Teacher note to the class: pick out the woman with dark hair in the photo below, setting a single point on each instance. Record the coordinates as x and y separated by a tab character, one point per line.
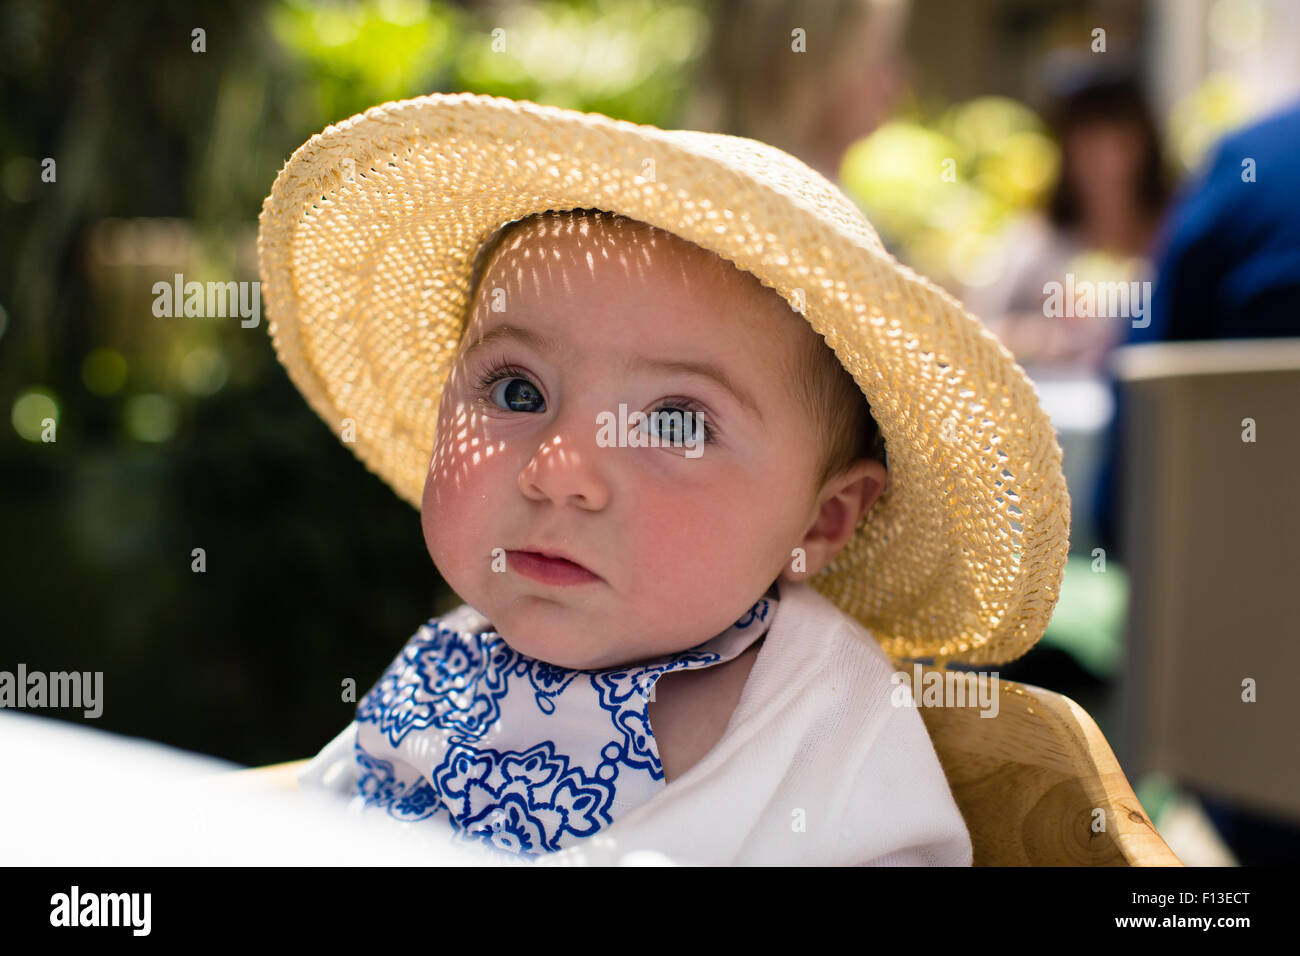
1097	229
1113	187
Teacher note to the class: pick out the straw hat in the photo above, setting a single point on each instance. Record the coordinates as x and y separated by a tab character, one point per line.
366	245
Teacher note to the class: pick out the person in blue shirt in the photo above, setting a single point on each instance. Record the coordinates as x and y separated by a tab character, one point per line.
1228	265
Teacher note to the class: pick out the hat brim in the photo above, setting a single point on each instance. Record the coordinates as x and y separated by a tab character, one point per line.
366	246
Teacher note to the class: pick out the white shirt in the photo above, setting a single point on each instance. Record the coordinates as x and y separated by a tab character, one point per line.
817	766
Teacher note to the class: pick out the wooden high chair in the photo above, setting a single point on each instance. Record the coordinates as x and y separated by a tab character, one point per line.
1039	786
1209	523
1029	783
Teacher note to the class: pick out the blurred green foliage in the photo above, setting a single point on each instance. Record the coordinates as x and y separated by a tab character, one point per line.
625	58
353	56
631	59
940	186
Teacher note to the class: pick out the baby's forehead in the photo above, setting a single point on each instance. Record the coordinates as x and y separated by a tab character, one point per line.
637	258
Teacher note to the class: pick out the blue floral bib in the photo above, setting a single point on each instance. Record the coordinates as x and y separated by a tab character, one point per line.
508	750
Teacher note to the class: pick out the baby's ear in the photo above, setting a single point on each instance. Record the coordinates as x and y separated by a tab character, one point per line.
843	501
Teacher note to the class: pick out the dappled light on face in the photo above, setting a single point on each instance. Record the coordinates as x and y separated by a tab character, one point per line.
561	474
553	447
630	251
459	444
549	453
556	470
562	254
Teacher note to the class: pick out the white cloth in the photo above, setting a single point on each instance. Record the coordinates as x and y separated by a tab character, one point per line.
817	766
155	805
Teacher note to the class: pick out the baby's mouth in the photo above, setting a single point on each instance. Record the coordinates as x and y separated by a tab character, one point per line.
549	568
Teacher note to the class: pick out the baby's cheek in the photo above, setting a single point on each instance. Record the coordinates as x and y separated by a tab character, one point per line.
457	522
694	567
688	544
436	518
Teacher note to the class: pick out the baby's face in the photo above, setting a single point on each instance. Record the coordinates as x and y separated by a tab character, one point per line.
678	542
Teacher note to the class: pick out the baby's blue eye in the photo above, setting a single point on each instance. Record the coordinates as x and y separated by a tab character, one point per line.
518	395
673	424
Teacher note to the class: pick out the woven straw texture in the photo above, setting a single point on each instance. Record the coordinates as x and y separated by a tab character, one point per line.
366	245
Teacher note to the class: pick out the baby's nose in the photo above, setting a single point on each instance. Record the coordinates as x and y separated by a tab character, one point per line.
567	469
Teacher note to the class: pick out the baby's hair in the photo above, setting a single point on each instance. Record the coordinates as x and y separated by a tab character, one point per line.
830	395
841	411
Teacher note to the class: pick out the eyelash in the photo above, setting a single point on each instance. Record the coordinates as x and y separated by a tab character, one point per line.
500	371
496	372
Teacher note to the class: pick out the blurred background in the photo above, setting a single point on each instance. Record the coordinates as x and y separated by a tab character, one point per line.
998	146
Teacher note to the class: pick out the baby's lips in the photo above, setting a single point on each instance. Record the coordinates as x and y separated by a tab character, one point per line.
556	554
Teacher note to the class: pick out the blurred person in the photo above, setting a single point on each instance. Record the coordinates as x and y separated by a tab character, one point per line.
1228	263
1108	200
1228	268
813	103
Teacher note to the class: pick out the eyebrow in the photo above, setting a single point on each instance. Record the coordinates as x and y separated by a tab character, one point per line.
535	340
547	345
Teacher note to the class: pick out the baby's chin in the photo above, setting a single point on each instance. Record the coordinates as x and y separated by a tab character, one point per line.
565	641
569	651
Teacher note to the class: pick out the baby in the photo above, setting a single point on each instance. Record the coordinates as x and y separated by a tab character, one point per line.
624	374
638	664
